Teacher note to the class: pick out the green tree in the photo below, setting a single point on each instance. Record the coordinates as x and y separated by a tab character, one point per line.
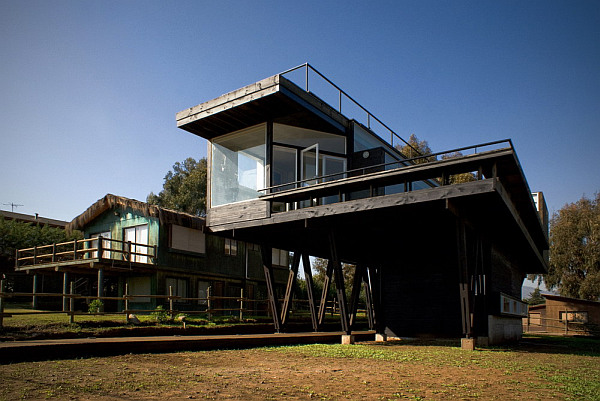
184	188
575	250
458	178
415	148
319	267
536	298
18	235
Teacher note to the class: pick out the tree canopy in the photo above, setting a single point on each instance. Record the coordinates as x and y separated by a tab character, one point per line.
18	235
575	250
415	148
184	188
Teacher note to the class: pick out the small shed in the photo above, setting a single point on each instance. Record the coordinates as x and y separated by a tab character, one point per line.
563	315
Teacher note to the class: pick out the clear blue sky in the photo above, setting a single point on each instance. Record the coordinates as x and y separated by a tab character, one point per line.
89	89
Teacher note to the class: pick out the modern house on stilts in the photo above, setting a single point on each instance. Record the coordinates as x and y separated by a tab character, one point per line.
288	170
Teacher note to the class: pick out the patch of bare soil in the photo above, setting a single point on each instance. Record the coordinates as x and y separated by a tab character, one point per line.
262	374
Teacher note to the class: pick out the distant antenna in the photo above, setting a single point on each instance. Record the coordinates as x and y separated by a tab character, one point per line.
12	206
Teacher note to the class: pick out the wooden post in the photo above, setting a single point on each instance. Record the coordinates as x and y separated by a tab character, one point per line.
74	249
35	255
99	247
72	304
2	303
354	297
54	252
65	289
324	293
208	303
126	296
241	304
101	287
34	300
171	301
16	258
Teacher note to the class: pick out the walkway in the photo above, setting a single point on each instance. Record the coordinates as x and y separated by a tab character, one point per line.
85	347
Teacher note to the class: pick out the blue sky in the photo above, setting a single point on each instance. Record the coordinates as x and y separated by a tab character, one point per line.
89	90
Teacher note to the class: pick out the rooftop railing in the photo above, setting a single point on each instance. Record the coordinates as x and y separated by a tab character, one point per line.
345	103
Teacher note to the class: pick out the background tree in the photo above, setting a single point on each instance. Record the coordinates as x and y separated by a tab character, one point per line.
415	148
18	235
462	177
536	298
319	268
184	188
575	250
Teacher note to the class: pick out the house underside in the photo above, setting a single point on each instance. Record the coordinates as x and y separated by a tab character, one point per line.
437	258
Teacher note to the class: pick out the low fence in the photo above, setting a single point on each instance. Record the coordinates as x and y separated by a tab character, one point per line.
535	324
243	306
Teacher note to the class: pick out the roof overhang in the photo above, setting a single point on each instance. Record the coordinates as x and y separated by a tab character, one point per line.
272	99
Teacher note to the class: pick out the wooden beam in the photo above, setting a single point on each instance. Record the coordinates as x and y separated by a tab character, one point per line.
463	277
369	299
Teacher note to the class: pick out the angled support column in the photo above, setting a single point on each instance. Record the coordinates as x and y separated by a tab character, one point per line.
325	291
369	299
463	278
354	297
289	290
375	285
339	285
270	280
310	288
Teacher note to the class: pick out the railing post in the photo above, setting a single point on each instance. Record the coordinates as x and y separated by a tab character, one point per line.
171	301
99	252
16	258
129	251
307	78
35	255
34	303
65	289
208	303
241	304
72	304
2	303
126	296
54	252
74	249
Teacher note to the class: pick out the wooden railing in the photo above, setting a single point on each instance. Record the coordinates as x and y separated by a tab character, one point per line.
537	324
243	306
91	248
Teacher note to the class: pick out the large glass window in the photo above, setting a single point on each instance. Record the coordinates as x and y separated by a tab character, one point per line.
238	166
284	167
303	138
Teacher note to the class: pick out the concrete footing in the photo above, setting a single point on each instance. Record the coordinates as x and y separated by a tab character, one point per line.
348	339
380	337
468	344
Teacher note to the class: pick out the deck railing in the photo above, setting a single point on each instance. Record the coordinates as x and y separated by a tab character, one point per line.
91	248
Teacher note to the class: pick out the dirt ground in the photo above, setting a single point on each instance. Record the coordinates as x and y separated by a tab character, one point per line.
367	371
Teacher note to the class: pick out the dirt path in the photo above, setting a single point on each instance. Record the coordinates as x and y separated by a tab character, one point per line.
335	372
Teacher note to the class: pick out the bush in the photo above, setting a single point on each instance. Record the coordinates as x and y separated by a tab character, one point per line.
160	314
95	306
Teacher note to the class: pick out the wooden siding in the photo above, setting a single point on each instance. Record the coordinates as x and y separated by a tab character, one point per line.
237	212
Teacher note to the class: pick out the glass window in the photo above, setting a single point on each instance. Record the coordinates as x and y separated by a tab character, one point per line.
238	166
105	244
138	236
302	137
179	287
230	247
284	167
187	239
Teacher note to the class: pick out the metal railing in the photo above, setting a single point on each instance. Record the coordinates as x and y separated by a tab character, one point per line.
82	249
343	95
